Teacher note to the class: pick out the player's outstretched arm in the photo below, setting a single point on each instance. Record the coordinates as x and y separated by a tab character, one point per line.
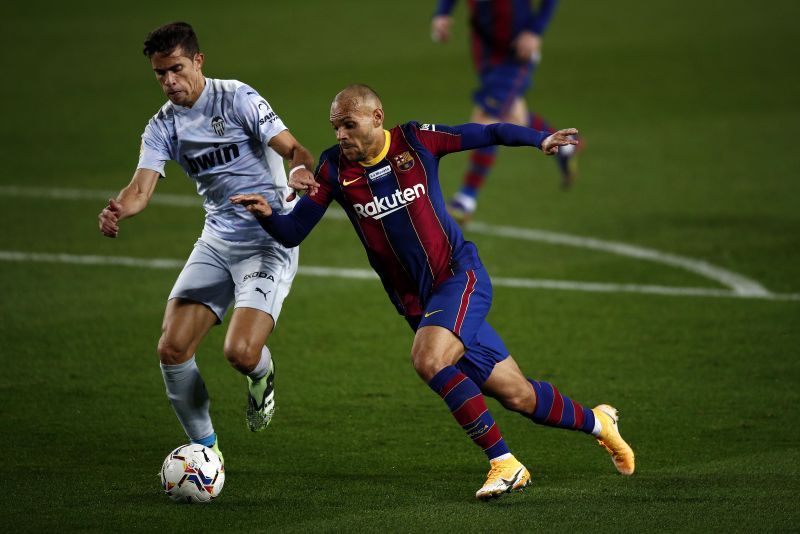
560	138
289	229
471	136
301	178
130	201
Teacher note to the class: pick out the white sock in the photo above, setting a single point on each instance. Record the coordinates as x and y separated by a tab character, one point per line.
262	367
187	393
598	427
502	457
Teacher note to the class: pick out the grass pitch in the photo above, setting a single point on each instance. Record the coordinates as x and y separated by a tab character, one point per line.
686	110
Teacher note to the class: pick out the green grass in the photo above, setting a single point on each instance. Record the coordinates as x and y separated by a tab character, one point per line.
688	112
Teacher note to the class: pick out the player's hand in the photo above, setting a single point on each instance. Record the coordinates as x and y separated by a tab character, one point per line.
440	28
529	47
255	204
301	180
560	138
108	220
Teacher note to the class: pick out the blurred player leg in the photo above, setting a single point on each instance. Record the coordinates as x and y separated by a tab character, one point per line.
464	203
499	99
567	156
185	325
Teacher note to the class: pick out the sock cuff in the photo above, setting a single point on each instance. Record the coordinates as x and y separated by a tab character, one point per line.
440	380
262	367
177	372
207	441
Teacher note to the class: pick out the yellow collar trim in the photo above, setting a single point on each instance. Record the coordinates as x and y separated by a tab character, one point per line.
374	161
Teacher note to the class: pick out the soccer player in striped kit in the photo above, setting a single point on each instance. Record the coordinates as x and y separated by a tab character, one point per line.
387	182
506	39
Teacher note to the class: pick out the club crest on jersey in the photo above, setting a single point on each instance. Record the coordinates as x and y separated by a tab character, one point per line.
403	161
218	123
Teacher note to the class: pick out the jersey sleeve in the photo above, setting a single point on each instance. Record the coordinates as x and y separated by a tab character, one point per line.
539	19
325	178
291	228
255	114
444	7
440	139
156	149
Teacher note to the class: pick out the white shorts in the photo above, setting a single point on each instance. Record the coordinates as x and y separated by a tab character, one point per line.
246	273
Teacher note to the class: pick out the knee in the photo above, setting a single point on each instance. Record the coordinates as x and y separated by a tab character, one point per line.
426	364
243	356
171	352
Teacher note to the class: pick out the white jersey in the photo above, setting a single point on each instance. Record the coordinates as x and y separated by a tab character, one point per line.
221	143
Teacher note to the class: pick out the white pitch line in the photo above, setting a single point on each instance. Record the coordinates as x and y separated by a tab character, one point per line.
738	283
366	274
163	199
741	285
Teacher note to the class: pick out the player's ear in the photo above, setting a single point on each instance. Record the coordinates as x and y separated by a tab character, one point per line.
199	58
377	117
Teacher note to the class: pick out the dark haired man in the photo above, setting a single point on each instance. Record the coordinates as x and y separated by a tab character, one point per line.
229	140
387	183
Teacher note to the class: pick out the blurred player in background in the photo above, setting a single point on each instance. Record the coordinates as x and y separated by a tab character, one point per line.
229	140
387	182
506	40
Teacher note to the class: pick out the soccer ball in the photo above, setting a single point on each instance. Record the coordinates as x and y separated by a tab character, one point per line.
192	473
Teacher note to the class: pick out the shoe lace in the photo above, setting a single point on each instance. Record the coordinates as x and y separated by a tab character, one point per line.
495	472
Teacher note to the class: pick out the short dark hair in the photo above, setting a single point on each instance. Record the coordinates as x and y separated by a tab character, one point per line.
165	39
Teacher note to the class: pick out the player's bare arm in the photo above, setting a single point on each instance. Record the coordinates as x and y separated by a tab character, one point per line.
560	138
254	203
130	201
301	177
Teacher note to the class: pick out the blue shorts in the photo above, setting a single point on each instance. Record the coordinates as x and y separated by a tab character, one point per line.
500	85
460	304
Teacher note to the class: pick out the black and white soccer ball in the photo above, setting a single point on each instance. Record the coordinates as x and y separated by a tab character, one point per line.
192	474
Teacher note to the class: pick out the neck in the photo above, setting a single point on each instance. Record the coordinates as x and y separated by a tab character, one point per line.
198	91
376	147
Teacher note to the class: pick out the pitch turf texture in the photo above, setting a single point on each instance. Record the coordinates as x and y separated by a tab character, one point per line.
688	110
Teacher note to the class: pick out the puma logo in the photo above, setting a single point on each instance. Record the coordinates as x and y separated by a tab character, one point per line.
262	292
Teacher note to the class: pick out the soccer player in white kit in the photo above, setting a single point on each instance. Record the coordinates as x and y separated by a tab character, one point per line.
229	140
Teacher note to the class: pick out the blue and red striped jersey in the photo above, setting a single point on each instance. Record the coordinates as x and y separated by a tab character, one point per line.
495	24
397	208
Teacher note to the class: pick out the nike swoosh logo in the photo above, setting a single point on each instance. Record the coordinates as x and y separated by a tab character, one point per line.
346	182
510	483
431	313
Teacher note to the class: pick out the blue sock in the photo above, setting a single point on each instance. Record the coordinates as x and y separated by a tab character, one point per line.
207	441
555	409
468	406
